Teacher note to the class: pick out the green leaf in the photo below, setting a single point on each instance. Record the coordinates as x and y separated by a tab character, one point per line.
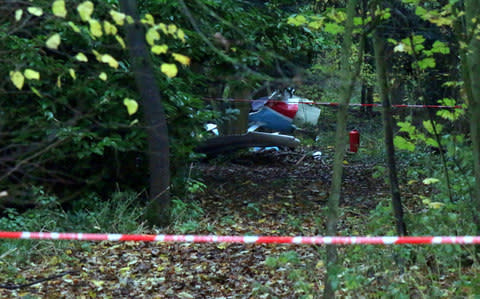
95	28
403	144
298	20
428	62
118	17
440	47
81	57
18	14
334	28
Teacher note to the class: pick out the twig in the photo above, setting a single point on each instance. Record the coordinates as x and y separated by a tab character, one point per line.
20	286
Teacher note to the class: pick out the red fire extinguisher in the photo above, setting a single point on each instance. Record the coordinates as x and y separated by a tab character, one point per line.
354	141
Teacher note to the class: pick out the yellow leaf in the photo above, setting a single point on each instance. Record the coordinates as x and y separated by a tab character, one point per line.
58	8
151	36
159	49
97	55
95	28
163	27
345	162
172	28
53	41
181	58
222	246
81	57
36	11
103	76
109	28
120	41
107	58
17	79
118	17
59	81
36	92
148	19
169	69
436	205
72	74
74	27
181	35
85	10
31	74
18	14
132	105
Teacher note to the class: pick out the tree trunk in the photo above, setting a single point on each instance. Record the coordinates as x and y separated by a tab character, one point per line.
472	10
158	144
349	75
381	69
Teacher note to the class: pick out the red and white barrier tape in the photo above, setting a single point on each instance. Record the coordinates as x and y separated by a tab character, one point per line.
318	240
351	104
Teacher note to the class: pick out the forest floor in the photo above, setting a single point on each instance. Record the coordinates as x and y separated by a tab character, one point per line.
253	193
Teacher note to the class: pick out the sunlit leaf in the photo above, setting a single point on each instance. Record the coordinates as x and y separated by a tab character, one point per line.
31	74
436	205
17	79
148	19
59	81
333	28
74	27
36	92
120	41
129	19
118	17
58	8
72	74
181	58
109	28
298	20
169	69
132	105
36	11
172	29
103	76
112	62
18	14
85	10
428	62
151	36
403	144
95	28
181	35
53	41
159	49
81	57
429	181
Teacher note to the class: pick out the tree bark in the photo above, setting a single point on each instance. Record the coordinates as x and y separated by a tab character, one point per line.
381	69
472	10
158	144
349	75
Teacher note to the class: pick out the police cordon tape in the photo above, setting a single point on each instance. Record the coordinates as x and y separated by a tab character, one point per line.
315	240
337	104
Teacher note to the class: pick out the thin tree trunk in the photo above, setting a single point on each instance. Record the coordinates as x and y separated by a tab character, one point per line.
349	75
158	144
472	10
381	70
